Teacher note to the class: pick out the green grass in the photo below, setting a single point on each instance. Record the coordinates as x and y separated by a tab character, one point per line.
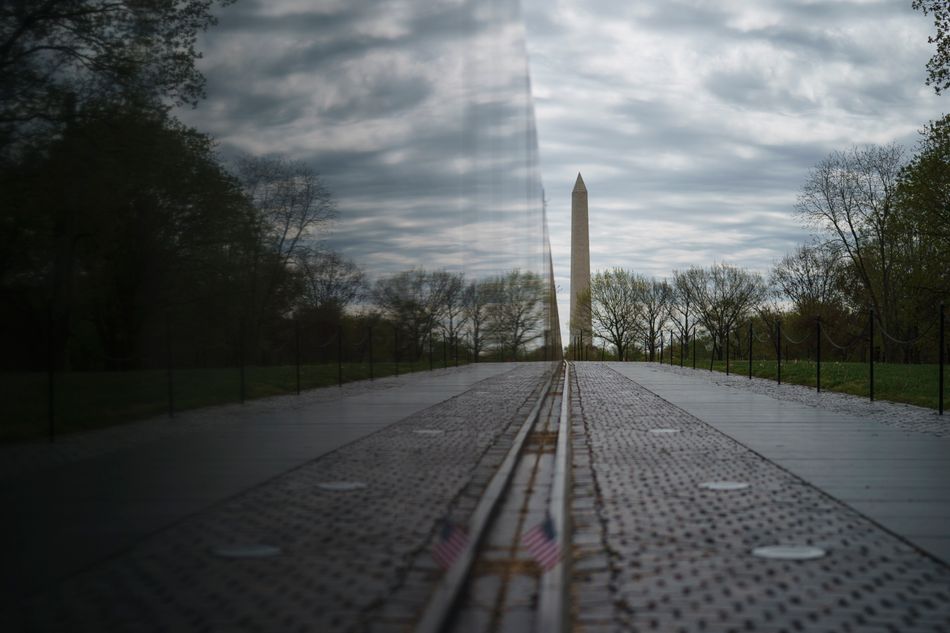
913	384
90	400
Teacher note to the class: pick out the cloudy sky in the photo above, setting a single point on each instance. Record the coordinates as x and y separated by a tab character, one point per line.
694	123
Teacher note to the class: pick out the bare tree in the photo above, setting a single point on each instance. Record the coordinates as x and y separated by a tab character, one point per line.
291	205
810	278
723	297
476	298
331	283
516	313
451	314
681	308
414	300
852	195
616	307
655	311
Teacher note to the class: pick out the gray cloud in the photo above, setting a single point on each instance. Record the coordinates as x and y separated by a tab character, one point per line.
694	123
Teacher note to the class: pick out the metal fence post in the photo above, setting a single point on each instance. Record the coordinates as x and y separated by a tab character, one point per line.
694	347
750	350
241	358
727	351
941	358
297	351
456	339
396	348
50	374
818	355
672	345
430	350
684	343
169	365
661	348
339	355
370	339
871	354
778	351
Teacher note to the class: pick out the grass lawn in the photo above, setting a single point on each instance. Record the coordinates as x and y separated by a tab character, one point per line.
89	400
913	384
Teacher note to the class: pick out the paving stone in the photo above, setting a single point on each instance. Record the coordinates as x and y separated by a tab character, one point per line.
350	560
679	556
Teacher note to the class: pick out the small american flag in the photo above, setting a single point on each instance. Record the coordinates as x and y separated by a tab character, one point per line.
541	543
452	540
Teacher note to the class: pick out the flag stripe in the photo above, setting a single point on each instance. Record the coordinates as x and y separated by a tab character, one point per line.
452	542
542	544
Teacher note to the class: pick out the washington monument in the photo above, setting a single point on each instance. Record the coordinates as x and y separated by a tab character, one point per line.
580	262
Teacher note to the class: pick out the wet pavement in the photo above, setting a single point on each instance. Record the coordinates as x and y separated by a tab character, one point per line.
319	513
674	555
892	474
123	540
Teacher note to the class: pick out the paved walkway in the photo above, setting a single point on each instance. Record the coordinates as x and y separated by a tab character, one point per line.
69	516
896	477
123	536
654	550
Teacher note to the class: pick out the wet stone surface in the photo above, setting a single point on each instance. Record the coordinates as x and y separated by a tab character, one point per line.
655	552
905	417
22	459
352	558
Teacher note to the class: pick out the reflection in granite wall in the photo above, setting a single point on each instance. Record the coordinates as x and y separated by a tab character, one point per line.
417	114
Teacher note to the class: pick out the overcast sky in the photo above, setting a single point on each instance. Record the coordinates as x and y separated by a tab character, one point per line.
694	123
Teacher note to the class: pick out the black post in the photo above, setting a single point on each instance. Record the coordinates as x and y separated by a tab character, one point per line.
818	356
871	354
778	351
241	358
297	351
671	348
457	350
339	355
445	357
750	350
430	350
50	373
370	339
941	359
661	347
727	351
694	347
169	365
396	348
684	342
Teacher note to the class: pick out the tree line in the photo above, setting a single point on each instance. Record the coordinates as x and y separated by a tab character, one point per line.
880	252
125	237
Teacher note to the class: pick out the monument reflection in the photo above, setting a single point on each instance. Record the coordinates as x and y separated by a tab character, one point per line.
418	116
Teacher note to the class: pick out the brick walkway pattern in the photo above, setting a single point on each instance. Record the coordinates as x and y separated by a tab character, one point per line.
351	560
655	552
